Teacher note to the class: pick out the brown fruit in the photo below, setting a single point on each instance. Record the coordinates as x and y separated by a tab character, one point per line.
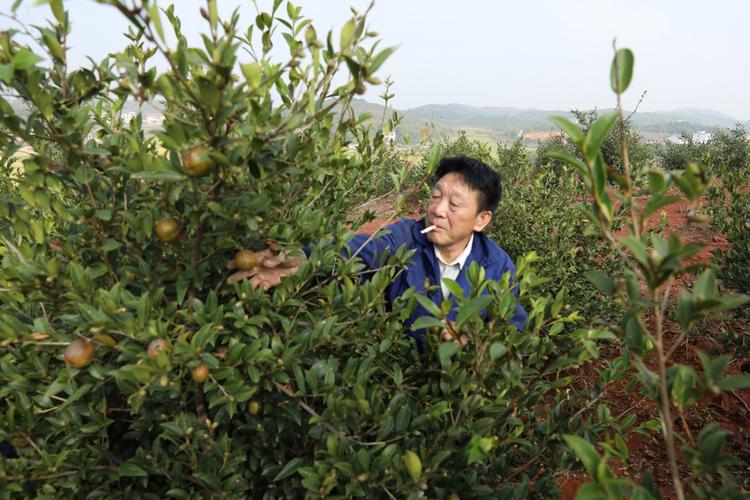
155	346
254	407
196	162
245	260
79	353
167	229
200	373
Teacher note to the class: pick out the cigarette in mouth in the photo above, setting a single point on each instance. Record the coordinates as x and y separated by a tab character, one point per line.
427	229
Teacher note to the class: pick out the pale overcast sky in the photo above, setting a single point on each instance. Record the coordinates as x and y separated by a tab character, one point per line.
545	54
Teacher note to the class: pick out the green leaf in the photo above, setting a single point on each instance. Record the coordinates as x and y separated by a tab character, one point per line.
429	305
471	309
592	491
154	15
25	59
80	392
57	10
570	160
435	155
621	72
213	14
252	72
570	128
347	35
657	182
379	59
131	470
6	73
597	133
159	175
446	351
427	322
497	349
55	49
705	286
585	452
103	214
638	248
734	382
289	469
602	281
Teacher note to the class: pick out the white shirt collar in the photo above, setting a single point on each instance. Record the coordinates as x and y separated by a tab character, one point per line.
461	259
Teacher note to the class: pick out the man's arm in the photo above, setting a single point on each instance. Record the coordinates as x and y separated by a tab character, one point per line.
372	250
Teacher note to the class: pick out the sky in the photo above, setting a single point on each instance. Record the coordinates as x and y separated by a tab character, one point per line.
543	54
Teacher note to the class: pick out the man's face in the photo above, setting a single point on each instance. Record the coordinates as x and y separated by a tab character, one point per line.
453	208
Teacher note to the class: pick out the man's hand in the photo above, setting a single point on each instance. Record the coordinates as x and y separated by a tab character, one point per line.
269	268
449	333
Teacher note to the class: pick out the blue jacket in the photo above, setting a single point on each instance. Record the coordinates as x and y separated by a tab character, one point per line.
424	265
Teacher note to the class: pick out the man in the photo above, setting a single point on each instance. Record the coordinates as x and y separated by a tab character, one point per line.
463	199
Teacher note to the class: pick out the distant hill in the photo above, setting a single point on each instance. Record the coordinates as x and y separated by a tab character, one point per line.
506	123
503	123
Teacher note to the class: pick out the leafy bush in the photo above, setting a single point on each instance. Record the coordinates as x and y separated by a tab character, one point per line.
130	367
729	207
640	156
541	213
651	264
726	152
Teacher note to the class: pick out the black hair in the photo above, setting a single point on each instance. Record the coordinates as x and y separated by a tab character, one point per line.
477	175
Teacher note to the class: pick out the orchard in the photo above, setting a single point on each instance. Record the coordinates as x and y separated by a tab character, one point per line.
133	365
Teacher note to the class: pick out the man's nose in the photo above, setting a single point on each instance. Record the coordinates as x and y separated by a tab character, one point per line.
441	208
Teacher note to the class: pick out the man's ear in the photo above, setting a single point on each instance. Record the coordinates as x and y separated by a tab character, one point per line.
483	218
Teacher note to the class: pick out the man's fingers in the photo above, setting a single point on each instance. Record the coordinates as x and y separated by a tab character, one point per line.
262	255
231	265
294	262
256	281
240	275
461	340
274	261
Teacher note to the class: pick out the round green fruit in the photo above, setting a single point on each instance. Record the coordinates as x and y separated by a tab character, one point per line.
167	229
196	162
79	353
156	346
245	260
199	373
254	407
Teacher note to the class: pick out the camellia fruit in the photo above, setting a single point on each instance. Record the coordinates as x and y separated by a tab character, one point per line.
79	353
155	346
413	465
196	162
254	407
245	260
167	229
200	373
